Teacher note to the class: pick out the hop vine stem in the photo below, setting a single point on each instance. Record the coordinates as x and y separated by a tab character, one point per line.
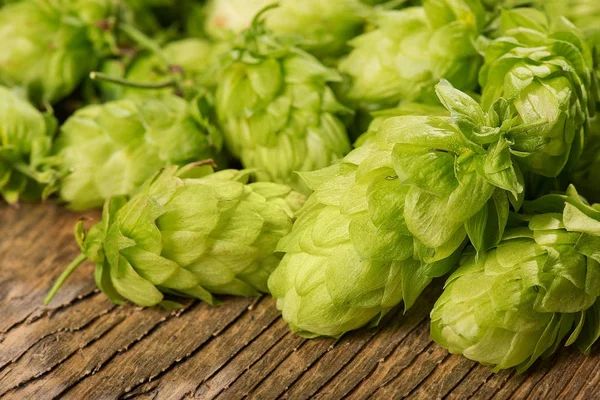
63	277
124	82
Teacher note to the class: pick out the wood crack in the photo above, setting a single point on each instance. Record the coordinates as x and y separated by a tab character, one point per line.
287	333
269	373
253	340
385	356
68	356
201	346
118	351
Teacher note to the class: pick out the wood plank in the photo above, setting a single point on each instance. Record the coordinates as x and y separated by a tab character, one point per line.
82	346
188	375
41	242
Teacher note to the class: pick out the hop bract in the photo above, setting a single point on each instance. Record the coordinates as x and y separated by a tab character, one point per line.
189	232
111	149
25	141
544	68
519	301
411	50
350	257
276	110
49	46
586	174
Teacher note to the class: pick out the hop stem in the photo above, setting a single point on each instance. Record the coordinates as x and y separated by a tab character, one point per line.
392	4
124	82
144	41
151	45
257	18
63	277
25	170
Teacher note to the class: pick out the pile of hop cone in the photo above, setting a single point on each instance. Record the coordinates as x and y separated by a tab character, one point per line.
338	155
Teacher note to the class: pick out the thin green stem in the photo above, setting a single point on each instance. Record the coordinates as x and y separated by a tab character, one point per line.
259	15
124	82
390	5
151	45
25	170
63	277
144	41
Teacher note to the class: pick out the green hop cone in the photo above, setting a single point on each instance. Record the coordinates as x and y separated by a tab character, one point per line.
519	301
276	110
112	148
583	13
350	257
323	26
410	51
188	232
191	64
25	141
227	18
460	173
544	68
196	58
49	46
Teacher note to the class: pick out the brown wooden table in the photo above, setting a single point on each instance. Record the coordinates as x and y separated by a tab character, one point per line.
84	347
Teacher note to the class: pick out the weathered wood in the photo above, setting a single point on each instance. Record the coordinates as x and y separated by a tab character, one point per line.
83	346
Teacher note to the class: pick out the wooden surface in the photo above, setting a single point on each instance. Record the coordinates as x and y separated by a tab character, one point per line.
84	347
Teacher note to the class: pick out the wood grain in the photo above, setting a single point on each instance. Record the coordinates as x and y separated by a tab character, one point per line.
84	347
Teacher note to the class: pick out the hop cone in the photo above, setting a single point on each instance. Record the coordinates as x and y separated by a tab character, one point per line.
226	18
49	46
460	173
545	70
350	257
111	149
583	13
411	50
25	140
276	111
325	26
519	301
189	232
193	61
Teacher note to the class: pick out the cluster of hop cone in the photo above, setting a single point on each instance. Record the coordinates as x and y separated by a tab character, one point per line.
476	155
